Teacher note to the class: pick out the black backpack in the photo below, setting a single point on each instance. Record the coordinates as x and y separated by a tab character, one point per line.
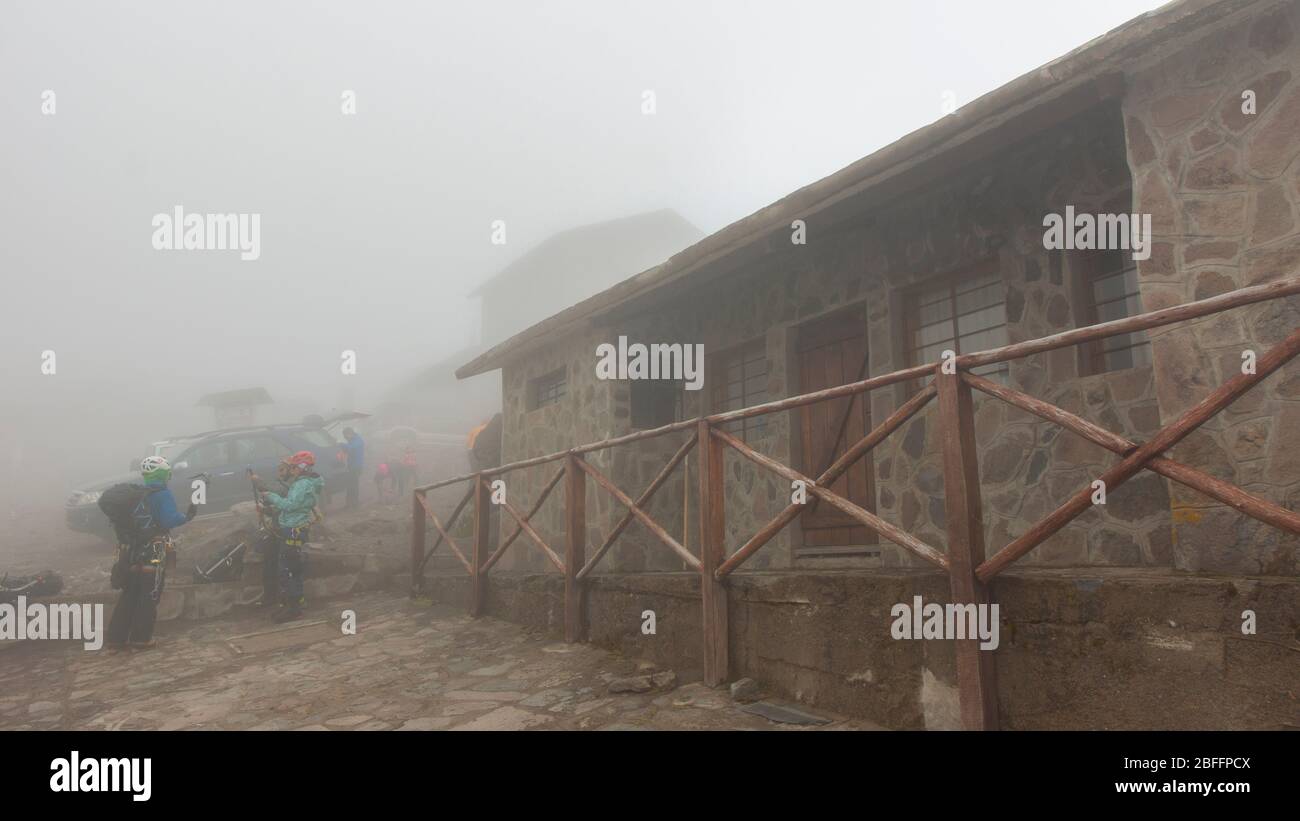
119	504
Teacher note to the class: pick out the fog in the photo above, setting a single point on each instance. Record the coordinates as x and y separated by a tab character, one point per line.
375	226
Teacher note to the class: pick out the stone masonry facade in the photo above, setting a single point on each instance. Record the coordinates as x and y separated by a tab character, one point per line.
1222	189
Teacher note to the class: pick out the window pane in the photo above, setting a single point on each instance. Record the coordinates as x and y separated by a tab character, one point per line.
319	438
981	320
1110	287
932	334
981	297
1115	295
743	372
932	353
935	312
977	303
547	390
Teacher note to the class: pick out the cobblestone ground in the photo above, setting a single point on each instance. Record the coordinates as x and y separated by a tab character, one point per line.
409	667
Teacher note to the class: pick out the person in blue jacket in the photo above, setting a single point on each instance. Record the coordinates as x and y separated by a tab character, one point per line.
146	558
353	453
294	513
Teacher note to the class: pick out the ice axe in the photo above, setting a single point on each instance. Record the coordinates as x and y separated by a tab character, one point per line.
257	501
227	559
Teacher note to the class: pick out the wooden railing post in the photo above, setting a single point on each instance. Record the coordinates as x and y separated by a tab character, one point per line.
482	534
417	543
713	531
976	677
575	548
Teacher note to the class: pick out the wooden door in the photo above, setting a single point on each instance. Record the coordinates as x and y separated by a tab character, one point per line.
832	351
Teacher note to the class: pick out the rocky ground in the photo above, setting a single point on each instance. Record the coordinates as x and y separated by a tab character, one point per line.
410	666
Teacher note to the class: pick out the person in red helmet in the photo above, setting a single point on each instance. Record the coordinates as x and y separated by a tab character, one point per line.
294	512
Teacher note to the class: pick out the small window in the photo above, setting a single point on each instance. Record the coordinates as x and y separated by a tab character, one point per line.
656	402
738	379
249	449
546	390
215	454
965	313
319	438
1108	290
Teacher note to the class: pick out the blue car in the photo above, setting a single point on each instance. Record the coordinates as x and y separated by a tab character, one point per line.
224	457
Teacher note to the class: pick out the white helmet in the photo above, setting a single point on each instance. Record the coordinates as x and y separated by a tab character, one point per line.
149	464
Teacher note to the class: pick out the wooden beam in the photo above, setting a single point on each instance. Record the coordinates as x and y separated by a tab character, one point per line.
1212	486
976	677
417	543
482	535
451	543
863	386
451	520
713	534
546	491
469	493
1165	438
645	496
650	524
892	532
1140	322
575	548
846	460
533	534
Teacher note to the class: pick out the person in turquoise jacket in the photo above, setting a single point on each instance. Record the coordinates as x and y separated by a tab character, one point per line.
294	512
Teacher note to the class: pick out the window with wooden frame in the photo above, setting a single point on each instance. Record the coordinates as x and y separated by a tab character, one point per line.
656	402
738	379
1106	290
963	312
546	390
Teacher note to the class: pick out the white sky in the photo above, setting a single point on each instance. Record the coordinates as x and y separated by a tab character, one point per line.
375	226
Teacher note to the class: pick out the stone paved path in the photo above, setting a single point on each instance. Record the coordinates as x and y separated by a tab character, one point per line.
408	667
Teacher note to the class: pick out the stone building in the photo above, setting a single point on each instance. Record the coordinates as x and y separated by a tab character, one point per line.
1189	114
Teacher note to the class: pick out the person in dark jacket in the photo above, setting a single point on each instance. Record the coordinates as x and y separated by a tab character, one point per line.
147	559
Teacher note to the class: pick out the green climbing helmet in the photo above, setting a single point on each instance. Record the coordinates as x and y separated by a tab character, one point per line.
155	469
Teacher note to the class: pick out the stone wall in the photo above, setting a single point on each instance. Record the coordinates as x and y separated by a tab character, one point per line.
1113	648
1223	188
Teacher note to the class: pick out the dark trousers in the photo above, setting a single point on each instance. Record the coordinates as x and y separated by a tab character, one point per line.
136	611
270	569
354	487
292	565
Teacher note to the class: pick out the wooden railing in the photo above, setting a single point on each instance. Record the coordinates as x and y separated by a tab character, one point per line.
969	570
